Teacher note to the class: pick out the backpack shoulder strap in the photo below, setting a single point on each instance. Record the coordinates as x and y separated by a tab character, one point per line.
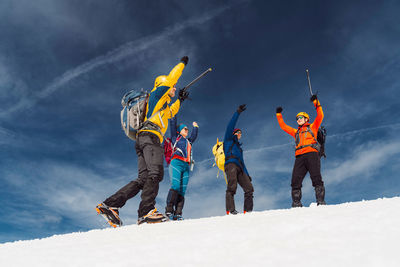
297	136
177	140
231	147
311	132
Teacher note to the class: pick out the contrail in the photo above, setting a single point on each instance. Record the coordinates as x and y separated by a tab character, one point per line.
118	54
394	125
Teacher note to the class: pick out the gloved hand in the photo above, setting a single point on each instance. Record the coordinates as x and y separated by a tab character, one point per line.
279	110
183	94
250	178
185	60
313	97
241	108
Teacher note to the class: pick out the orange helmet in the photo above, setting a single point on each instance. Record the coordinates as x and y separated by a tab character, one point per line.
305	115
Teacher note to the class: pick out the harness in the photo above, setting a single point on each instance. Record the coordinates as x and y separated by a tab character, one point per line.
189	158
231	156
315	145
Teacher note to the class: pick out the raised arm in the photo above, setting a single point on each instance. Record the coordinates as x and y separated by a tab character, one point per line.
282	123
195	131
174	108
231	127
232	123
176	72
320	114
174	129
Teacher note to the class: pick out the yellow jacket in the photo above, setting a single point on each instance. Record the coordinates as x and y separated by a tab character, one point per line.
158	110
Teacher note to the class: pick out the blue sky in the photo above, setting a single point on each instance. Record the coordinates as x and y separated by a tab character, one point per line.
64	66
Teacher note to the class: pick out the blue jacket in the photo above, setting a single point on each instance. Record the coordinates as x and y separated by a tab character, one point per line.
184	145
232	148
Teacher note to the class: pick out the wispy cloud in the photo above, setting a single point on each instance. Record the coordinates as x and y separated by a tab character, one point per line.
365	160
127	50
57	190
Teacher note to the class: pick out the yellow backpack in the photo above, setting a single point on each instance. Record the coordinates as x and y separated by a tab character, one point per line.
219	157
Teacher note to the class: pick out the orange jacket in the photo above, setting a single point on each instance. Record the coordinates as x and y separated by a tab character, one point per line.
305	137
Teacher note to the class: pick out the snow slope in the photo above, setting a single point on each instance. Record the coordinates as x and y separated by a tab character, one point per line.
363	233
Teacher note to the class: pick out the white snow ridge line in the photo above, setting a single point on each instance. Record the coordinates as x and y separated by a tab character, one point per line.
351	234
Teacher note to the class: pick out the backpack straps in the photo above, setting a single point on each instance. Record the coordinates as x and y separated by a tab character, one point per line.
231	156
174	146
315	145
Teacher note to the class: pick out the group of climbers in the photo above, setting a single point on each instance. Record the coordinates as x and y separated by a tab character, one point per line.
150	154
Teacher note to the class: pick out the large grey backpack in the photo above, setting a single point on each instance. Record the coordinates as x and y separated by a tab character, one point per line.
133	112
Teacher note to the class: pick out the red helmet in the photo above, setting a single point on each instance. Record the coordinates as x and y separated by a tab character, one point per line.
236	130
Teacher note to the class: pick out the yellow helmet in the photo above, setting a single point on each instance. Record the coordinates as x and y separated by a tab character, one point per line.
159	80
305	115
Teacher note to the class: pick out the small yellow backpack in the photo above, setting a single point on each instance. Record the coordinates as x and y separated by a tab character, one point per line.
219	157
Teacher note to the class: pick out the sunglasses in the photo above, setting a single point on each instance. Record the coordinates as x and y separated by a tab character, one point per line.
299	118
185	128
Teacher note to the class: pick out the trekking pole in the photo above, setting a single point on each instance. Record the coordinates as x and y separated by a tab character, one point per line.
309	82
198	78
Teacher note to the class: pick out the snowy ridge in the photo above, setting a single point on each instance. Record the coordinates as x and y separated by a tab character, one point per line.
362	233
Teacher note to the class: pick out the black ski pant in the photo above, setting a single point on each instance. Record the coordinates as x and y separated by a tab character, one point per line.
308	162
151	172
235	175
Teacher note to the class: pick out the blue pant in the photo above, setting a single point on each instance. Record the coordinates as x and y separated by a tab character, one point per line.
179	175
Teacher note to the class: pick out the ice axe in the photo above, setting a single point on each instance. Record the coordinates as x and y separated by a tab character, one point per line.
196	80
309	82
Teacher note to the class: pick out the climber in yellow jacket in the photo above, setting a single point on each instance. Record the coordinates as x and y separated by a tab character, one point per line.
149	150
158	110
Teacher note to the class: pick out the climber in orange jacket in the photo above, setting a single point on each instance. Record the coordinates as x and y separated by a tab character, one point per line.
307	152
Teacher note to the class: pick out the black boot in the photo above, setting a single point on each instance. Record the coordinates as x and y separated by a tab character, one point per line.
179	205
296	197
320	195
172	201
248	202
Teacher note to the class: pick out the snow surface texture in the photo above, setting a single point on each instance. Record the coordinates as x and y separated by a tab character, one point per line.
363	234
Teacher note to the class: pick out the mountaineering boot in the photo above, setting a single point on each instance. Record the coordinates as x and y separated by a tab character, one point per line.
172	200
170	215
179	217
320	195
152	217
234	212
143	219
179	205
110	214
296	197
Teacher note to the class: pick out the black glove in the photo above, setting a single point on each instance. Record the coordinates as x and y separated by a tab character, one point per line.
313	97
183	94
241	108
185	60
279	110
250	178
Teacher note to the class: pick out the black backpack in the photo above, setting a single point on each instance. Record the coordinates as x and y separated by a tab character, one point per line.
321	138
